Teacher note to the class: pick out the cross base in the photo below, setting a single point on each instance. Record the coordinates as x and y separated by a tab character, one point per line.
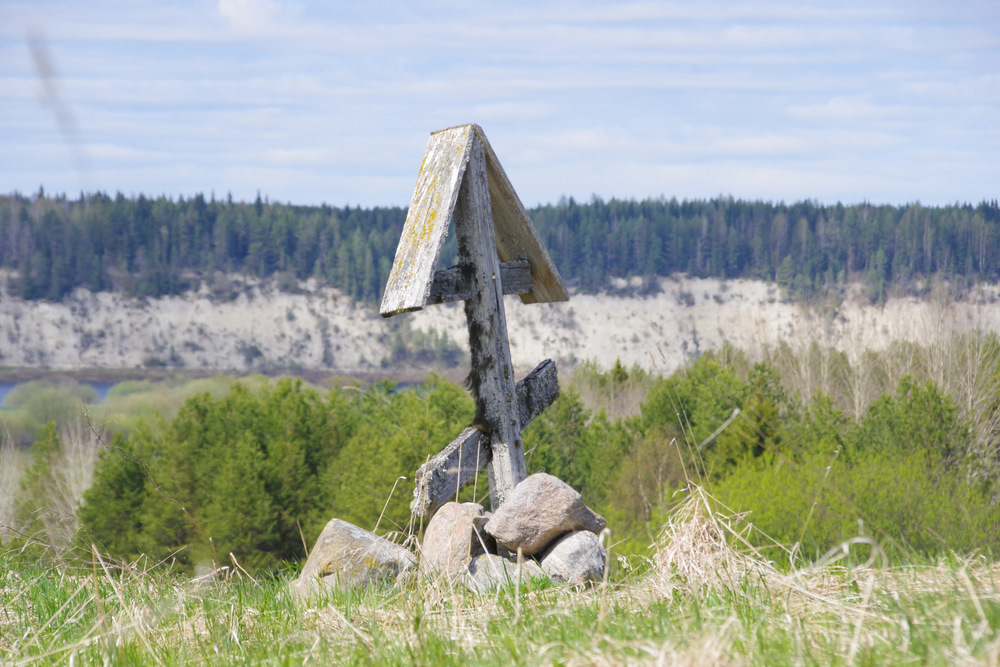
445	473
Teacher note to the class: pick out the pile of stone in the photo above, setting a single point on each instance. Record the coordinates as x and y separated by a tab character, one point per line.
542	530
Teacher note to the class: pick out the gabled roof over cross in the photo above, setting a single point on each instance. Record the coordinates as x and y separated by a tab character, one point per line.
438	183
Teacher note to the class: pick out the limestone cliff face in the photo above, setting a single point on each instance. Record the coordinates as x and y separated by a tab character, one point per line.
318	329
257	330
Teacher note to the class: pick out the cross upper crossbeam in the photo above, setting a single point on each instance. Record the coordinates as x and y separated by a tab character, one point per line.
451	285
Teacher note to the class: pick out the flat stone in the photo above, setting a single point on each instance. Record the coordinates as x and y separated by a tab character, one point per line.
577	558
487	572
452	539
538	510
346	556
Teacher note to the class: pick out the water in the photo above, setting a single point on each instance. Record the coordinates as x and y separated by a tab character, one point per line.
100	387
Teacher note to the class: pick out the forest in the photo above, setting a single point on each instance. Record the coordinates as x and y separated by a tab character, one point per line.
150	247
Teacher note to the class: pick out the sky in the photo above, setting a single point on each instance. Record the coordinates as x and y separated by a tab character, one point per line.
333	102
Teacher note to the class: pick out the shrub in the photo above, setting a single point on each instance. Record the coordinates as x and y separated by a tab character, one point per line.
905	498
916	417
43	401
241	469
256	473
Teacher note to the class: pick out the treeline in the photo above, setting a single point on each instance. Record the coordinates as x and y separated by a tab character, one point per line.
156	247
153	247
804	246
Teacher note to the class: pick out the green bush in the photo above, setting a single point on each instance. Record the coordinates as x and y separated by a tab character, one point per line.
901	498
897	475
814	476
395	432
256	473
916	417
110	513
40	402
241	470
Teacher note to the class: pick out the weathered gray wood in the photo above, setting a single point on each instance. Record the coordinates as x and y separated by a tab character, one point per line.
440	478
430	213
492	375
538	390
515	233
427	220
450	285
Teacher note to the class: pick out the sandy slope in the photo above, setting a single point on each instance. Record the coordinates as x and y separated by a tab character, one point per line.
321	330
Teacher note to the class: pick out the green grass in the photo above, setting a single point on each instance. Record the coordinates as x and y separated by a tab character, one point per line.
699	601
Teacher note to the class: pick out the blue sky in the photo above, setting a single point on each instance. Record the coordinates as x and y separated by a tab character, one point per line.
310	102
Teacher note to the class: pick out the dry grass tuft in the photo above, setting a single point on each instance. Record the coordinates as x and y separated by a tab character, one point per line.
694	550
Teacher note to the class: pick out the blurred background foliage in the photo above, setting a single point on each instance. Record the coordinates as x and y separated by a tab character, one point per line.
260	465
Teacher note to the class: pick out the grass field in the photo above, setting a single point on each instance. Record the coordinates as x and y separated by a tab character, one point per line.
701	597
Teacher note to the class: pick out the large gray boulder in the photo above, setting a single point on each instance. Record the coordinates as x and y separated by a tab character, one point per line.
487	572
452	538
577	558
348	556
538	510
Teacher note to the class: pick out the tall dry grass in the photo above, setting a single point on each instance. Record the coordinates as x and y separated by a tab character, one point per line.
12	465
39	499
849	606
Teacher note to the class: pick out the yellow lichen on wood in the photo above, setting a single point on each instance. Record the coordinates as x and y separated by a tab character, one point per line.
427	221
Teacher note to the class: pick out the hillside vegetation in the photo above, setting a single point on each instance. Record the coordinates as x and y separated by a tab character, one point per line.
846	513
904	442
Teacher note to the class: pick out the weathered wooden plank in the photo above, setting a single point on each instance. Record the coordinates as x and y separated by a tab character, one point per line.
538	390
450	285
492	374
427	220
440	478
515	234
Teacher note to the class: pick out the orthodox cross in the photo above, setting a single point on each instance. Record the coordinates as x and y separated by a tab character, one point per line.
499	252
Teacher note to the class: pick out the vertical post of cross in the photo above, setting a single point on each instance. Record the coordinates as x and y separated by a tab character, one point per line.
492	373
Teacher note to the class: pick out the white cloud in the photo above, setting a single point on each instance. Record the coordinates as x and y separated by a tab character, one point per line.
842	109
297	157
249	16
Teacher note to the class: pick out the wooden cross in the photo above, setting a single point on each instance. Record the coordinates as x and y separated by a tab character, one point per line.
499	252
